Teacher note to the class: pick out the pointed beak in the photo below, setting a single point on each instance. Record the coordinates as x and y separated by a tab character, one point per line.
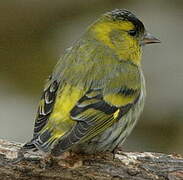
149	39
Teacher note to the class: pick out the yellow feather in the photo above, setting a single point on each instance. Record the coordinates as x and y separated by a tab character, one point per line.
118	100
116	114
65	101
60	122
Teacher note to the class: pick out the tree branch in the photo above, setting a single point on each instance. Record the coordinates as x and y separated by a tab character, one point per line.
124	165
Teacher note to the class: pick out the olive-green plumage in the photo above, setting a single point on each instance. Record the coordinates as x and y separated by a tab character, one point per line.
96	92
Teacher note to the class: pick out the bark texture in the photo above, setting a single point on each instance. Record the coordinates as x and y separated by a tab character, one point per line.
16	165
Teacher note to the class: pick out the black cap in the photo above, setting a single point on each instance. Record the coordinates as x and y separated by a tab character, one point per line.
125	15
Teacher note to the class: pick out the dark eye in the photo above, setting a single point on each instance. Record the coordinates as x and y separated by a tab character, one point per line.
132	32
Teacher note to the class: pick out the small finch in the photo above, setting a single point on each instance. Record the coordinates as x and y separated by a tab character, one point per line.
93	98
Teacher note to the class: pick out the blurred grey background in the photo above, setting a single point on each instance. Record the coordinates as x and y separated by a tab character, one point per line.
34	33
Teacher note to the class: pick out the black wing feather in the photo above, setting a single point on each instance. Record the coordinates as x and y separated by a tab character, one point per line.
44	110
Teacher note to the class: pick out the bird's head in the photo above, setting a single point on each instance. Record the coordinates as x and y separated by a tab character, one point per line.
124	33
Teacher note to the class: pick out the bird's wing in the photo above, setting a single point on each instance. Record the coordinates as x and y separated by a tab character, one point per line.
94	113
45	108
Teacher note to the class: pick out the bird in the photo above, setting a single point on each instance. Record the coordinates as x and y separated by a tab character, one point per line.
96	92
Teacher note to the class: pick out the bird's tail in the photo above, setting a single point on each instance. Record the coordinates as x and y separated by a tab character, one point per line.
29	146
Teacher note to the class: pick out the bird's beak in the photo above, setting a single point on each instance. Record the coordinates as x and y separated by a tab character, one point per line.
149	39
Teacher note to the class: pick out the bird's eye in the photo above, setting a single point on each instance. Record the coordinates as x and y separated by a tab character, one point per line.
132	32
